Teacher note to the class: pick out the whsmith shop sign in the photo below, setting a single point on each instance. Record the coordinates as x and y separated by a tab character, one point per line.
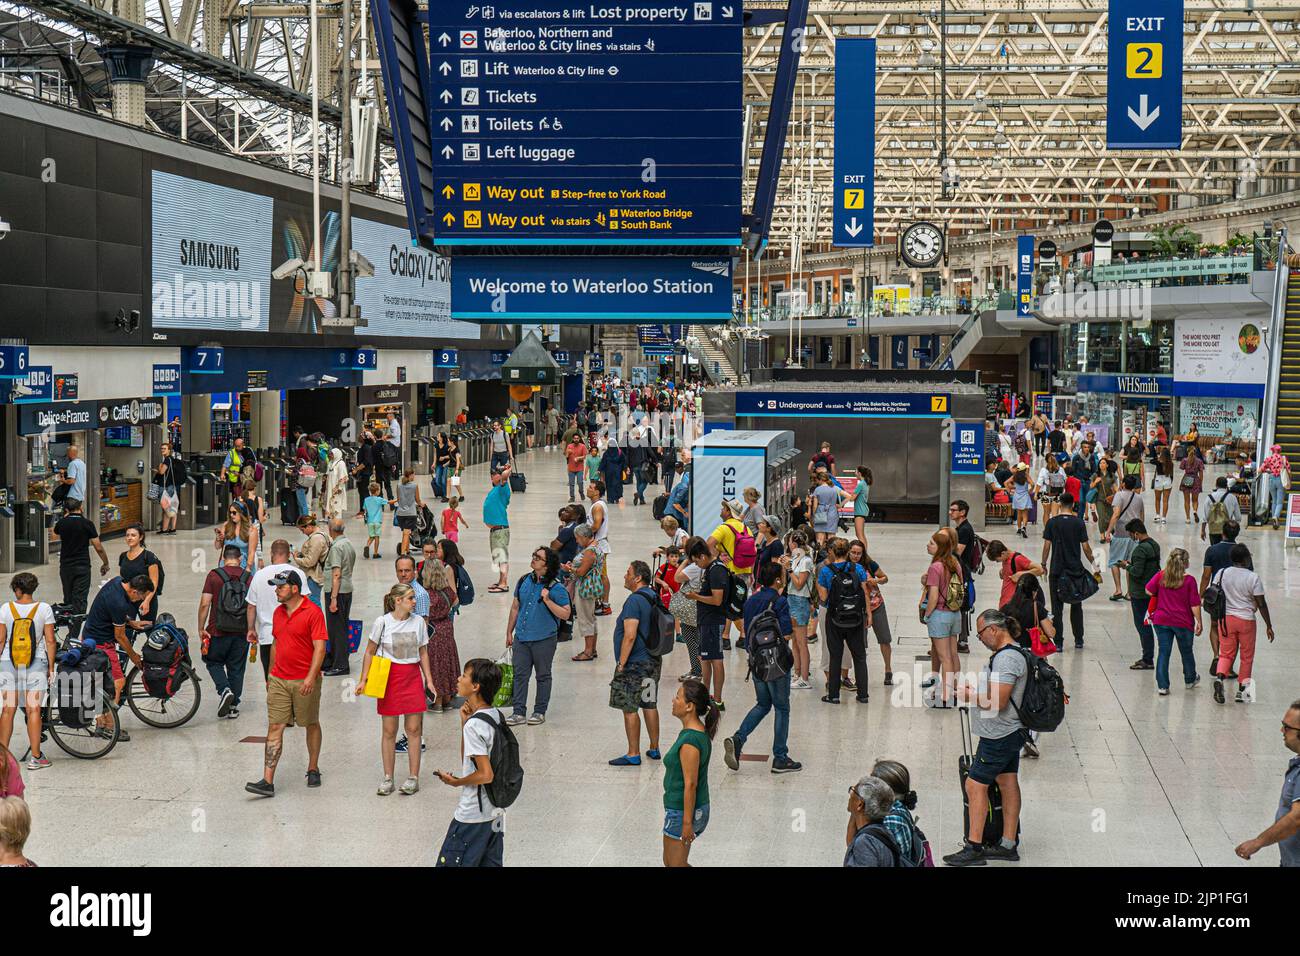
61	417
1151	385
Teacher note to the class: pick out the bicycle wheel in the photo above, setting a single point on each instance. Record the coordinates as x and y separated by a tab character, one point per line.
156	712
91	741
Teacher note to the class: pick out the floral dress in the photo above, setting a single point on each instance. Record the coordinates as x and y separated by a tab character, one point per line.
444	661
1192	465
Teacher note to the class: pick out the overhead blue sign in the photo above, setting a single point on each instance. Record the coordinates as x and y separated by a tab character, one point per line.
499	358
561	357
13	361
1144	75
968	448
839	405
1024	275
356	360
595	362
203	359
898	351
446	358
36	386
855	142
166	380
520	157
572	289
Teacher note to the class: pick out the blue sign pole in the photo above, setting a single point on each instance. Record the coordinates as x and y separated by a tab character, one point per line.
1024	275
1144	85
855	142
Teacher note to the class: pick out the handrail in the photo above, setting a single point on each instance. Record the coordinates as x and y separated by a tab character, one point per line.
946	352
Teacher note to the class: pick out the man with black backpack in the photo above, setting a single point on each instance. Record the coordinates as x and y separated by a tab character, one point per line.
842	587
996	721
767	640
1218	508
716	585
635	686
223	626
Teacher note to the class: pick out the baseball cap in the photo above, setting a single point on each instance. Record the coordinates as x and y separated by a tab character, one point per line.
287	577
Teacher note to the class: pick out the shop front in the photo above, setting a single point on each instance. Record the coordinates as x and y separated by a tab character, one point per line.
1119	405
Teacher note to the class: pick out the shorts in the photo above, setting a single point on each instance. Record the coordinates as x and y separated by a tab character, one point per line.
800	609
944	623
1120	549
710	641
673	822
113	652
499	547
637	687
375	530
602	545
285	705
406	522
24	680
880	626
1162	482
995	756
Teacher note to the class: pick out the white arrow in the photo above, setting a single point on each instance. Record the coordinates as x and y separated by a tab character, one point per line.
853	227
727	11
446	123
446	96
445	68
444	39
1143	119
446	152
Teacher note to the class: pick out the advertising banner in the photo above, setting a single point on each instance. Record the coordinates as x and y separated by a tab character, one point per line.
410	292
211	265
1212	416
1219	358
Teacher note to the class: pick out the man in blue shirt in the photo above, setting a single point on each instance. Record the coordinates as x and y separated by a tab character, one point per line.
75	475
635	686
113	621
771	693
679	495
541	603
497	521
1285	831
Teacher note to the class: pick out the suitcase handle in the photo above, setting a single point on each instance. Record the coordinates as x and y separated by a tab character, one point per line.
963	714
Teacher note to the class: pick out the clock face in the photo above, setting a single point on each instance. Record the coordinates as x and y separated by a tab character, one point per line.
922	245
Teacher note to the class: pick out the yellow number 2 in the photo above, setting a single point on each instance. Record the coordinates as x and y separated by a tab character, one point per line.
1145	61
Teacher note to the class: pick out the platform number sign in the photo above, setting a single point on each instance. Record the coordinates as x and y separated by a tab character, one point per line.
446	358
357	360
13	361
206	360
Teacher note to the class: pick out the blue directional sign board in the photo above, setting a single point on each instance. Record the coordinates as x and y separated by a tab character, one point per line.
446	358
1024	275
855	142
13	361
36	386
1144	86
356	360
586	289
553	123
968	448
203	359
838	405
166	379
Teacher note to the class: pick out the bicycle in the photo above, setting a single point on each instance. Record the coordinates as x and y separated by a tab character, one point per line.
164	713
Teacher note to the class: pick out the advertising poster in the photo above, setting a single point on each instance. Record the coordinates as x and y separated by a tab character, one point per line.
1213	416
1224	358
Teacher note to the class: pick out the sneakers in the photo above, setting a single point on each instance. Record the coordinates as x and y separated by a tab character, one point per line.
403	744
410	786
234	713
1240	698
1031	747
365	552
963	647
1195	682
41	762
603	610
260	788
828	699
514	720
968	855
786	766
385	787
226	703
800	684
848	682
1218	692
536	719
999	852
1163	692
1142	666
731	753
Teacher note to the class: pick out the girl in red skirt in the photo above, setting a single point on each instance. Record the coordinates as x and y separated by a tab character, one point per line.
400	636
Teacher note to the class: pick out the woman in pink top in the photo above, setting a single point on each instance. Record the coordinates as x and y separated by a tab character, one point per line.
1175	611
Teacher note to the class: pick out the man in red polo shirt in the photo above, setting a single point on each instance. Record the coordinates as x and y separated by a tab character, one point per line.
293	688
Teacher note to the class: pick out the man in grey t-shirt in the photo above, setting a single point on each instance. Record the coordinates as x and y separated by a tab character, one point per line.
996	720
1126	506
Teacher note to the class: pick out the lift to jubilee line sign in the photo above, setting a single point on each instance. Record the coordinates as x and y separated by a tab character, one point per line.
1144	87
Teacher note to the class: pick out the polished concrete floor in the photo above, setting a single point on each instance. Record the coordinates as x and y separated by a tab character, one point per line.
1128	779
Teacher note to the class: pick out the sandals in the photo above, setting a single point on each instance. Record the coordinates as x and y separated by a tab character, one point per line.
584	657
497	589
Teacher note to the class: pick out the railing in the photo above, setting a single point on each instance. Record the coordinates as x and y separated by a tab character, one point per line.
922	305
1166	272
972	320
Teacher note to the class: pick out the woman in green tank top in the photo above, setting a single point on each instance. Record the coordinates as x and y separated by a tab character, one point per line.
686	772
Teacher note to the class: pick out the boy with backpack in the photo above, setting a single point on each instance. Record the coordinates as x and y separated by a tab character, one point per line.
734	546
767	640
226	630
842	588
491	776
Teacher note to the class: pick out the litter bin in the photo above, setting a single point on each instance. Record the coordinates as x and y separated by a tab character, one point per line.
185	517
31	537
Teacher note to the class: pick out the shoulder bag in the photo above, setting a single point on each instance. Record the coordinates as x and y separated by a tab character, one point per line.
380	668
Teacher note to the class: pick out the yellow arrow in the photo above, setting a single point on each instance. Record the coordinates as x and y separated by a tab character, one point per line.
447	192
449	219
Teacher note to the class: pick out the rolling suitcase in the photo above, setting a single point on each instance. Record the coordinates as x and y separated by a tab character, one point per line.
993	822
289	512
518	483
